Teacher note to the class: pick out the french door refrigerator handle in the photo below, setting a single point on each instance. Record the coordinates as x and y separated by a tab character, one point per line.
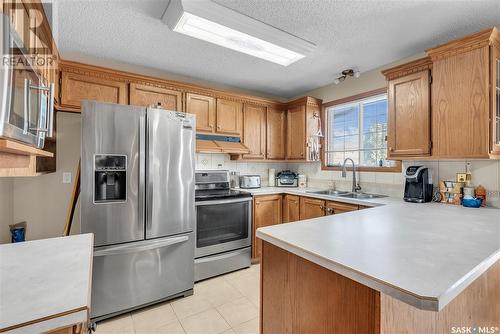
141	247
142	169
149	180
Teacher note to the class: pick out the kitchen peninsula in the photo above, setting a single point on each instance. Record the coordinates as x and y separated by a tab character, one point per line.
394	268
45	285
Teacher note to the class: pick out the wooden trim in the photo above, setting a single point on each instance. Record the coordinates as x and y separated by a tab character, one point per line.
480	39
49	317
128	77
415	66
375	92
348	99
395	169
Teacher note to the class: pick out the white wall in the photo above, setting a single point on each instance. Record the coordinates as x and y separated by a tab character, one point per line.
6	208
42	201
484	172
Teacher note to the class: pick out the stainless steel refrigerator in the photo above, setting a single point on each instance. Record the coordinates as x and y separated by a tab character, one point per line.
137	197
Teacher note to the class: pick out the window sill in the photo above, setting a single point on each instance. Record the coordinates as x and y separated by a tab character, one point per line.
394	169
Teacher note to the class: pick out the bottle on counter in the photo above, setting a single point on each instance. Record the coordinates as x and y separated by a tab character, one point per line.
302	181
272	177
480	192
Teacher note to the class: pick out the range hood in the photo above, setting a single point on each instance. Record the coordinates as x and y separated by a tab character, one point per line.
220	144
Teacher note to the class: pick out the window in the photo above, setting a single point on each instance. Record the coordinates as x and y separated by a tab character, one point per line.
356	128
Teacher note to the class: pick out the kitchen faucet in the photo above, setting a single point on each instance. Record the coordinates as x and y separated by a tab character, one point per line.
355	187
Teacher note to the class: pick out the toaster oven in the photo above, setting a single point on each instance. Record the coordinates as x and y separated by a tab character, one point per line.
249	181
287	178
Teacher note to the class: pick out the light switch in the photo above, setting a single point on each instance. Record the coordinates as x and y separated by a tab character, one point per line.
66	177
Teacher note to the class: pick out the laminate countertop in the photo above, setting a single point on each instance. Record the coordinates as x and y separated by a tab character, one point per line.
422	254
45	284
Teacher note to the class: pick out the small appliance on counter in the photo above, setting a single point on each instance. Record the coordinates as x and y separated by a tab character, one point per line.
287	178
249	181
418	185
234	178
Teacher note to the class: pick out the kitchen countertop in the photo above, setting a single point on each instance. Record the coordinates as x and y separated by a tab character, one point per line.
45	284
422	254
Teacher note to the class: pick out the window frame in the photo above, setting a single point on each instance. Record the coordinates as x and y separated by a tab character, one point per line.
366	95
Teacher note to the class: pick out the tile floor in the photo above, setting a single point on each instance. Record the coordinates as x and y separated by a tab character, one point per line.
225	304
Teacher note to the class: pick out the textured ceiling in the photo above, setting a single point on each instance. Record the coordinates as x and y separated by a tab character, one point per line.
360	34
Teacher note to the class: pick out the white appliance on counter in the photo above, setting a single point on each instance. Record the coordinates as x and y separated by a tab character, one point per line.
137	197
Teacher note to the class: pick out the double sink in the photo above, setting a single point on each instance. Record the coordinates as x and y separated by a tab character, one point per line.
346	194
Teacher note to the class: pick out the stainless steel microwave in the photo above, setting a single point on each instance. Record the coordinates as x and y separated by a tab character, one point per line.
26	105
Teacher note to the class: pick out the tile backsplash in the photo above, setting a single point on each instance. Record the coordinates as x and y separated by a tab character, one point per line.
484	172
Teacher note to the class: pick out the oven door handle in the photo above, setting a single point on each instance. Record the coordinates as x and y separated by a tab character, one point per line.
224	201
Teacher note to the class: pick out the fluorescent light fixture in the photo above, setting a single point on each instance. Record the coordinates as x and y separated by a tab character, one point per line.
219	25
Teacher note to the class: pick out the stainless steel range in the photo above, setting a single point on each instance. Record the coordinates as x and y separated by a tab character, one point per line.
223	232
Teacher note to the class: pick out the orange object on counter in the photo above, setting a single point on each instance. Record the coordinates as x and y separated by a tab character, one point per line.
480	192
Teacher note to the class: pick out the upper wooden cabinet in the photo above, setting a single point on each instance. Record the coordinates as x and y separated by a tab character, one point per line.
204	109
311	208
145	95
266	212
302	125
409	121
464	101
254	131
460	117
296	133
291	208
495	102
276	129
77	87
229	118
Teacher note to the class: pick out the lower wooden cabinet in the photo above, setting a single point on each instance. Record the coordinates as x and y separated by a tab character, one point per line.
311	208
333	208
145	95
291	208
266	212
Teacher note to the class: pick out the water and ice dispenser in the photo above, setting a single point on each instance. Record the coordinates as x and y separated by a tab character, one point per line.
110	178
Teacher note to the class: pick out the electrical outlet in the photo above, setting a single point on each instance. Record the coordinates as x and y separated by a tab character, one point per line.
66	177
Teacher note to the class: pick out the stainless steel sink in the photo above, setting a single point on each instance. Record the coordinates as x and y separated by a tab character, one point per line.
346	194
361	195
329	192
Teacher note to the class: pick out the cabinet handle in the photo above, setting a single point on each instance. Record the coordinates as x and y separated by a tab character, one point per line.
218	127
211	126
391	149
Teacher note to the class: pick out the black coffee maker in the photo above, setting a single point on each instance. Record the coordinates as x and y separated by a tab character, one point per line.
418	185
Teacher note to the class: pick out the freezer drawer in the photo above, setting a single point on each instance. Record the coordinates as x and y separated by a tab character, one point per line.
139	273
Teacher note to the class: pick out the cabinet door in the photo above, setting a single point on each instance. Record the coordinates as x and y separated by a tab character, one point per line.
291	208
495	101
204	109
77	87
266	212
333	208
229	117
460	105
311	208
254	131
275	134
409	119
144	96
296	133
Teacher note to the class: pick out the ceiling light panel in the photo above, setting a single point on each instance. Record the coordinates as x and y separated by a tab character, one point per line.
219	25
